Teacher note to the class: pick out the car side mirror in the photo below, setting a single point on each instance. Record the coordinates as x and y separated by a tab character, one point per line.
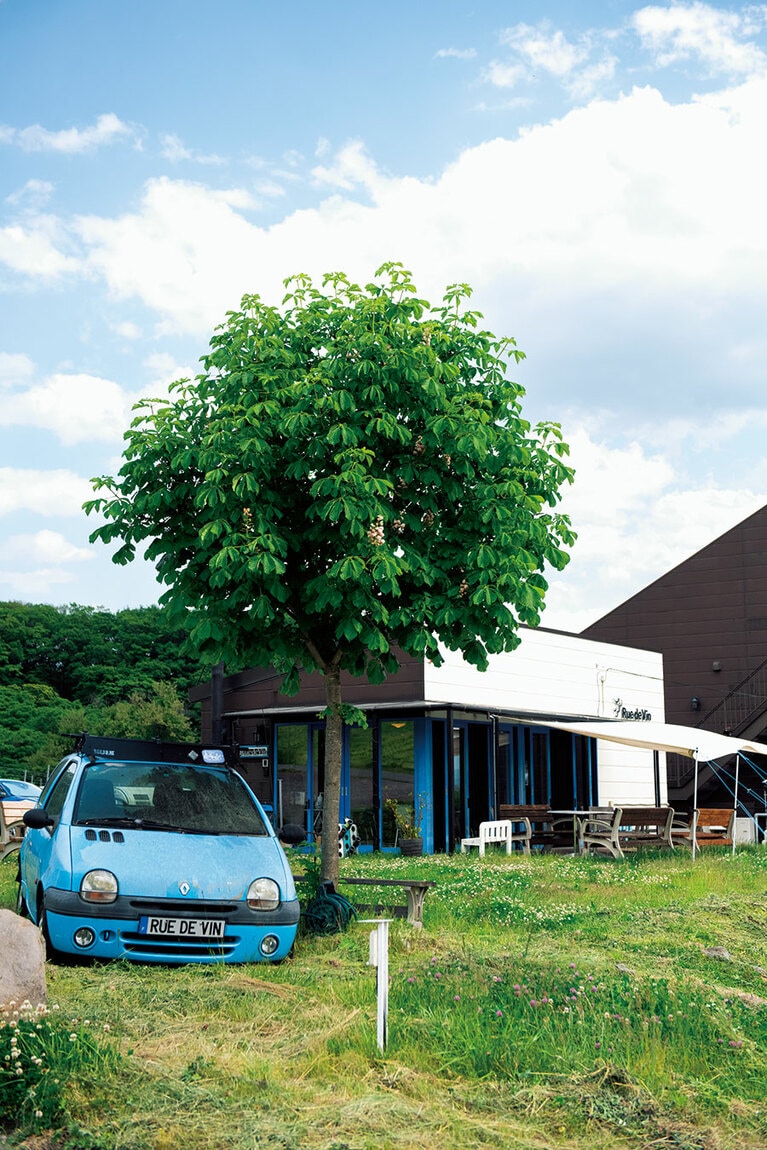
37	819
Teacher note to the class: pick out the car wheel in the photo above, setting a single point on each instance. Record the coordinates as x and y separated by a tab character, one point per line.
50	949
21	906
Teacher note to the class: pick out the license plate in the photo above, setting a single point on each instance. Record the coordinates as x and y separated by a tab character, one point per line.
203	928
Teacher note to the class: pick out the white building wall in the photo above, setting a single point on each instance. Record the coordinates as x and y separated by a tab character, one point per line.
558	675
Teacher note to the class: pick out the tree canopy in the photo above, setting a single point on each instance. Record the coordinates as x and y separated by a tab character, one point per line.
351	473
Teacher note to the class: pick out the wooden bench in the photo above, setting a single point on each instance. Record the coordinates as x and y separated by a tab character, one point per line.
11	835
498	832
618	829
415	890
544	828
708	826
646	827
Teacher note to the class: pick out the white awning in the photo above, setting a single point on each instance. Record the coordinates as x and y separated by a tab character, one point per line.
706	746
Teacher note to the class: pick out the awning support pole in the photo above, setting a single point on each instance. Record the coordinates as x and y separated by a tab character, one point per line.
695	801
737	772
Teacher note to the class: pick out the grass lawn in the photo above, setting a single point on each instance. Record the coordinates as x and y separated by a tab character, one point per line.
548	1004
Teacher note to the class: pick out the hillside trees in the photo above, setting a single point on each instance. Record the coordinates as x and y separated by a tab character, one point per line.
350	474
74	668
88	654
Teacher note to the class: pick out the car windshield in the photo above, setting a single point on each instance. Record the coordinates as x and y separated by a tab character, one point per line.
167	796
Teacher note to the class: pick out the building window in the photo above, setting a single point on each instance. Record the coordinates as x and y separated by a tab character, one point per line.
397	772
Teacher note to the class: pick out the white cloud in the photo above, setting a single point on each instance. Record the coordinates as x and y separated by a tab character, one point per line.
456	53
34	194
188	253
127	329
164	369
504	75
582	68
77	408
34	586
714	36
545	48
632	195
591	78
36	248
15	368
173	149
269	189
47	547
107	129
49	493
352	168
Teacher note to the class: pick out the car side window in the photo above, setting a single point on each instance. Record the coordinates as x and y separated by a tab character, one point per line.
56	797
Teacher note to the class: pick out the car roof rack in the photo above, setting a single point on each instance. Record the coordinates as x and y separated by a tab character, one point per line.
151	750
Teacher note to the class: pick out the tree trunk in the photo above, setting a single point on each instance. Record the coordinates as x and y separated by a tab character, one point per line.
331	807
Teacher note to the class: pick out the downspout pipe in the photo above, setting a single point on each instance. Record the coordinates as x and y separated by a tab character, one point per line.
218	734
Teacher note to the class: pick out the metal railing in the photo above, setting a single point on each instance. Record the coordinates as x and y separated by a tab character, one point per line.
733	715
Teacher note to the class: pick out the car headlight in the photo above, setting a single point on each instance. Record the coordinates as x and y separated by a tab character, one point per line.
263	894
99	886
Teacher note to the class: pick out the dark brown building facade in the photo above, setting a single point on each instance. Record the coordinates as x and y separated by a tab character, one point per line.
708	617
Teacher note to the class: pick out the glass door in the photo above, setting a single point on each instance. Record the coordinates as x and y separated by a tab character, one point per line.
292	774
357	797
300	775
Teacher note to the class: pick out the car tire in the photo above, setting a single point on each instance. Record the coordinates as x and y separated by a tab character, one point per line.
21	906
50	949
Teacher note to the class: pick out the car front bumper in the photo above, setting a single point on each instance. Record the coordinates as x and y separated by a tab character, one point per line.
117	933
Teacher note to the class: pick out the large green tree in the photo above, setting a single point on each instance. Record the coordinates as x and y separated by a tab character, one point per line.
351	473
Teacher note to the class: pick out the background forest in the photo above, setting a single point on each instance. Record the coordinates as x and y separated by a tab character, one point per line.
70	669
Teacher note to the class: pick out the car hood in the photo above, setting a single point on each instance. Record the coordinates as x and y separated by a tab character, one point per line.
155	864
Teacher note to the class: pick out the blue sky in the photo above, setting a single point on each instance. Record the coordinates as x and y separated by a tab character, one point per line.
597	172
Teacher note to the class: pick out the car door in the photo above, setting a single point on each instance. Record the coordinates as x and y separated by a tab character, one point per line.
38	843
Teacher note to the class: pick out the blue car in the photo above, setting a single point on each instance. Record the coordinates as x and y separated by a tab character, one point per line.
157	853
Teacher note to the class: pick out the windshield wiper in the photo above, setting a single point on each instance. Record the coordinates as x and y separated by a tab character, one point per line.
139	824
155	825
108	821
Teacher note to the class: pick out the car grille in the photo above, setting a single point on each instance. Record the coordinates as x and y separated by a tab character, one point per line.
182	908
140	946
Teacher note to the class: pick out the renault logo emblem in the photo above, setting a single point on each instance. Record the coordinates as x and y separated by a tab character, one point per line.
184	887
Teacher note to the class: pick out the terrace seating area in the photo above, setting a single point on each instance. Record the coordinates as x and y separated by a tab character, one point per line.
612	830
542	827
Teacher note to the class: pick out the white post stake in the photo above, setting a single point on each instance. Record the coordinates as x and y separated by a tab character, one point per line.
379	958
695	800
